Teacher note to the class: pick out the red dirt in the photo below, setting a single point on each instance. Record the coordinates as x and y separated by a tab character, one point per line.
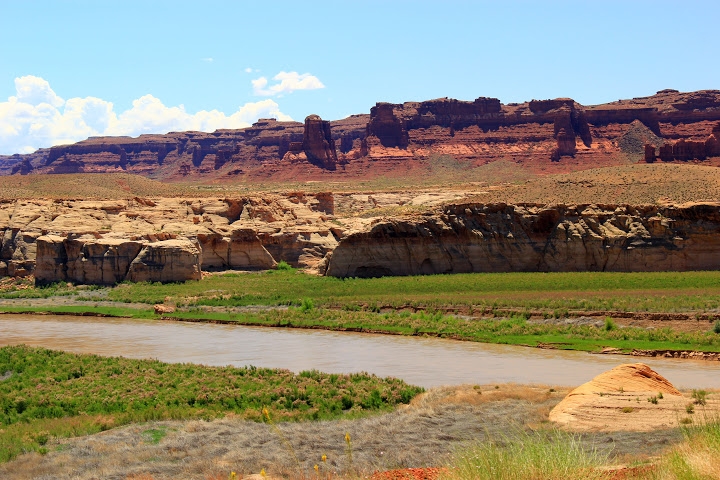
429	473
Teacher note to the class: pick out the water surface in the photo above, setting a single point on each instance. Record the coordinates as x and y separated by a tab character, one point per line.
421	361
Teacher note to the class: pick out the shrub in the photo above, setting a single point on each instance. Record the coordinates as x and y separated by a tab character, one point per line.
699	396
307	305
283	265
716	327
610	324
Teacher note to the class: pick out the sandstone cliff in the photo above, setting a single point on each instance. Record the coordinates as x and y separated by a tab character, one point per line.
162	239
515	238
396	135
174	239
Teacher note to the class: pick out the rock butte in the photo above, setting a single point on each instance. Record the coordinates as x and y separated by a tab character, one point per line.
667	126
618	400
173	239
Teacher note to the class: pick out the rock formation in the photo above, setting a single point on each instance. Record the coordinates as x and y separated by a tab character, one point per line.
106	261
630	397
172	239
684	149
517	238
482	130
105	242
317	146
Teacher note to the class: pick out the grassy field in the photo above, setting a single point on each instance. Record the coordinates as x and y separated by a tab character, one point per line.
46	393
652	292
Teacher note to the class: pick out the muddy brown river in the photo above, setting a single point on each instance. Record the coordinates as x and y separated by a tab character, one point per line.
427	362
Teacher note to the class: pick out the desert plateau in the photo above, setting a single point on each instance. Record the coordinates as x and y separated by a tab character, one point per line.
545	224
359	240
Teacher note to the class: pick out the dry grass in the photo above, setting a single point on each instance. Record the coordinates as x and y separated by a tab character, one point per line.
425	433
85	186
631	184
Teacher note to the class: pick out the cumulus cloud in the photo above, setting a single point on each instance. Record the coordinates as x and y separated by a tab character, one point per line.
287	82
36	117
36	91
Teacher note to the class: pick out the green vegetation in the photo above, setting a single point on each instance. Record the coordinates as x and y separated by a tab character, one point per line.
555	454
515	330
50	393
698	457
551	292
700	397
531	455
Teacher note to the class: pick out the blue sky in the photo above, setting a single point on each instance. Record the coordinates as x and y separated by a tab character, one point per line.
71	69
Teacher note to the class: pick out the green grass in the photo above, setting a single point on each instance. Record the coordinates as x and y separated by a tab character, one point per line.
657	291
515	330
53	393
531	455
696	459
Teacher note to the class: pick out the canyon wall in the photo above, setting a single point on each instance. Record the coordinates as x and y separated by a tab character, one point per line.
526	238
481	130
164	239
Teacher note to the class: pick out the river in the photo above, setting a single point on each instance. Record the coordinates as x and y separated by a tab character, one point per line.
427	362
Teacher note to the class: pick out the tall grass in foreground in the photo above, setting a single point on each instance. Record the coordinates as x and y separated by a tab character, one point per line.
530	455
697	458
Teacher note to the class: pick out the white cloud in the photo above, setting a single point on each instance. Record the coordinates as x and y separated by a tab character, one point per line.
248	70
35	91
288	82
36	117
207	59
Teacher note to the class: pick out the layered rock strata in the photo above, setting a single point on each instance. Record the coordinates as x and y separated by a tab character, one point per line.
520	238
630	397
168	239
162	239
482	130
686	149
106	261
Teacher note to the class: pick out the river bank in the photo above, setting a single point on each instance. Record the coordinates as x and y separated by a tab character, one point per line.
668	335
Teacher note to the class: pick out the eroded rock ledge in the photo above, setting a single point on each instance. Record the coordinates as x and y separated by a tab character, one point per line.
463	238
172	239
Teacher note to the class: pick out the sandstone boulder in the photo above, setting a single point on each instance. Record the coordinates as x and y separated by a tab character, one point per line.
107	261
628	397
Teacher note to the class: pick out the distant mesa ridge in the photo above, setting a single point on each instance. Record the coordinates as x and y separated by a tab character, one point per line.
667	126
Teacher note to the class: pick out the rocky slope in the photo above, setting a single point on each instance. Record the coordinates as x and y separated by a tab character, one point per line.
399	137
174	239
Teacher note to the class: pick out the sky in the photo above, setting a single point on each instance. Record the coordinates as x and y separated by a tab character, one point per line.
70	69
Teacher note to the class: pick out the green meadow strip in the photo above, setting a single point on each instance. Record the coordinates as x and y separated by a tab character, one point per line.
647	291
